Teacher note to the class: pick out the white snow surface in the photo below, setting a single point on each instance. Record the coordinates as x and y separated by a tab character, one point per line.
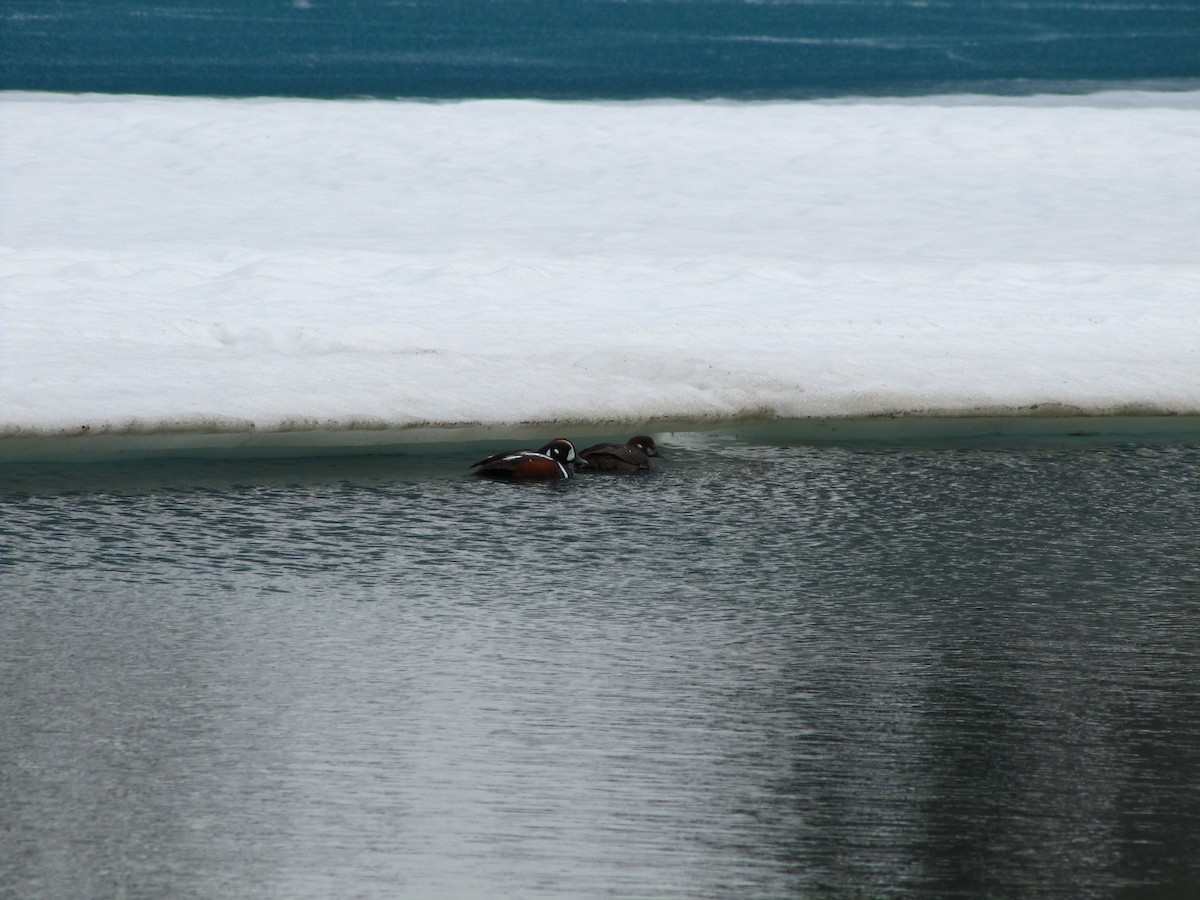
195	265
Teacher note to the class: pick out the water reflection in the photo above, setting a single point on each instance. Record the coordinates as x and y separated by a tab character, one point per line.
755	671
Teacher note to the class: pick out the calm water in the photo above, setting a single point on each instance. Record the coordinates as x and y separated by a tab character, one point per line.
757	671
585	49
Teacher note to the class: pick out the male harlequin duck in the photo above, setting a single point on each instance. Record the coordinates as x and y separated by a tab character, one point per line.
627	457
550	463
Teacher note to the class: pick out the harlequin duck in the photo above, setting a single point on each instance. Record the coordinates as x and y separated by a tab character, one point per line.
634	454
550	463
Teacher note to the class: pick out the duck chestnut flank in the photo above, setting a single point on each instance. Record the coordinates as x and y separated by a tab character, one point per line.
550	463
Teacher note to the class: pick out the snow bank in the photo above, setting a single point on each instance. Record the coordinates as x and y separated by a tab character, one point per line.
203	267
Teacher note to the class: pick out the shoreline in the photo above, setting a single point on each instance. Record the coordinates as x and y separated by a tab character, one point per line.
245	441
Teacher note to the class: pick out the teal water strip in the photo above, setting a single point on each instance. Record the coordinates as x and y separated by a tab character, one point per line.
434	440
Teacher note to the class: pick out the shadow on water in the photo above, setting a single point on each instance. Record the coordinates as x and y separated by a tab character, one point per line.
758	670
138	463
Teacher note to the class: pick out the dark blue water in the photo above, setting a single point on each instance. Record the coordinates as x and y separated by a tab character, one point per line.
758	671
585	49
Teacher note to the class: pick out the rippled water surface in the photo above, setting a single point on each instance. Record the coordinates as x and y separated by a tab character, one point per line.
757	671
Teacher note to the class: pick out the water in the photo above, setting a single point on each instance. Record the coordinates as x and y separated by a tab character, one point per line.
587	49
758	671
